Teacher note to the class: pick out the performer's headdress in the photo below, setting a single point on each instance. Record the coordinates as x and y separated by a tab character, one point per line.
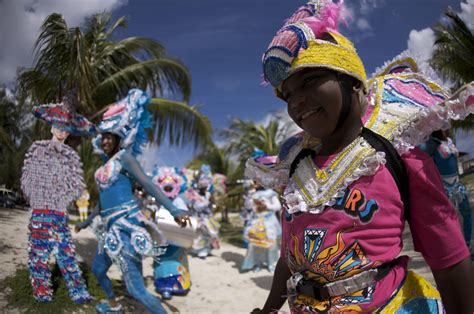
127	118
310	39
169	180
64	117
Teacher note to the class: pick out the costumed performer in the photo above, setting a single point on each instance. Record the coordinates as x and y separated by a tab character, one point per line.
52	178
352	178
445	155
129	233
200	200
171	272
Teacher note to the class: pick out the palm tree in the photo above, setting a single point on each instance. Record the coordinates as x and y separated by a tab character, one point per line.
102	70
15	138
453	56
246	136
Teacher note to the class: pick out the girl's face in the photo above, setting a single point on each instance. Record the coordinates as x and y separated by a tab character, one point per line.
59	135
314	100
109	143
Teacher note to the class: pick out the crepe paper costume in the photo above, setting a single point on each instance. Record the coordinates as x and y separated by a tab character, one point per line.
52	177
445	155
82	204
63	116
344	217
171	272
202	208
262	231
129	234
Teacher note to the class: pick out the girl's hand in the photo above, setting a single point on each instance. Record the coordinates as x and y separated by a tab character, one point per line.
77	228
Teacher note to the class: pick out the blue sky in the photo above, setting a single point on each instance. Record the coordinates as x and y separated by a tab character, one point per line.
221	42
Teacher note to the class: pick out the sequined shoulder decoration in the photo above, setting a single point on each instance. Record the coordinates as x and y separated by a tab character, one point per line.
108	174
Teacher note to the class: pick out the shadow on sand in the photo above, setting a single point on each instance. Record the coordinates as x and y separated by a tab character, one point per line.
232	257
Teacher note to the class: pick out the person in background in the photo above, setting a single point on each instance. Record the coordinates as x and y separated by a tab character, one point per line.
171	272
262	229
445	155
82	204
200	199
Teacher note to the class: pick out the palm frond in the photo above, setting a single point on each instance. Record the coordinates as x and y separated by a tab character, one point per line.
132	45
167	74
454	50
180	123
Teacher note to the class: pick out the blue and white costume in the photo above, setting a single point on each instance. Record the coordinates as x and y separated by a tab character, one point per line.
262	230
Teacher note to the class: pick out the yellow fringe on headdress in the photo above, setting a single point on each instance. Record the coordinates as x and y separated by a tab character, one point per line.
341	57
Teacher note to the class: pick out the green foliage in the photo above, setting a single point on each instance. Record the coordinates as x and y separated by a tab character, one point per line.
21	296
15	138
181	123
101	69
91	161
453	56
243	137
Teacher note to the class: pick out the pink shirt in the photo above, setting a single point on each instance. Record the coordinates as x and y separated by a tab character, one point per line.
364	230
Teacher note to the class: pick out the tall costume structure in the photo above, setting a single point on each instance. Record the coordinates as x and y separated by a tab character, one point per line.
127	235
344	213
199	198
171	272
445	155
51	178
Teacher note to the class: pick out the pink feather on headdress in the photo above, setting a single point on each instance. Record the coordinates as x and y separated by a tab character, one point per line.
328	19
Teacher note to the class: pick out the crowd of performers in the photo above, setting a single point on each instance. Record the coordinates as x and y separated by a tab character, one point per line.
171	216
326	215
166	214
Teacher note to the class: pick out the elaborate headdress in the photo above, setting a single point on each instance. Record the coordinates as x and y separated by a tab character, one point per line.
169	180
127	118
63	116
310	38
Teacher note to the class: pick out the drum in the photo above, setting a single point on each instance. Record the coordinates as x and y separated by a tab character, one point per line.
175	234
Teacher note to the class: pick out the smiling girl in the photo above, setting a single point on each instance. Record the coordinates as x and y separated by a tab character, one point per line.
352	178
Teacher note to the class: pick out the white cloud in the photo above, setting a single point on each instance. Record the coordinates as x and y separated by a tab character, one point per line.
362	24
357	14
421	43
20	21
366	6
467	13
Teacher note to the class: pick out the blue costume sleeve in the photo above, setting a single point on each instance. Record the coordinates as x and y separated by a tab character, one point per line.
89	219
131	165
